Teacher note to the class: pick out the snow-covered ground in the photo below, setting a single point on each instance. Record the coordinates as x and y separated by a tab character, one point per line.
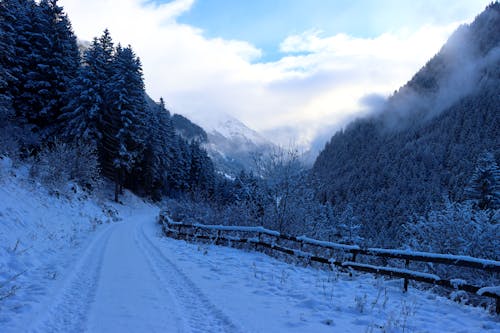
261	294
41	235
123	276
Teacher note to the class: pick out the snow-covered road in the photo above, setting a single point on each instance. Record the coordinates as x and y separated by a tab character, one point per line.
129	295
124	283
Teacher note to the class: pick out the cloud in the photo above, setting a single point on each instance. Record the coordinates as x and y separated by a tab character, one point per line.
172	10
319	81
373	101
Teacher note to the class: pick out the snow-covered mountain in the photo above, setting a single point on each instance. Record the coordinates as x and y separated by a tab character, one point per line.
233	129
233	146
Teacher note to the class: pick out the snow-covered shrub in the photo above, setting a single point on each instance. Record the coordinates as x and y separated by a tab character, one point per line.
60	163
459	229
348	226
189	211
175	210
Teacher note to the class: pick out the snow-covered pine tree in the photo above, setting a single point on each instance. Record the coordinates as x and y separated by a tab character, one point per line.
61	60
151	159
7	58
169	145
49	58
484	186
89	115
90	101
34	80
201	172
6	112
81	119
15	27
126	116
169	136
157	156
178	177
348	226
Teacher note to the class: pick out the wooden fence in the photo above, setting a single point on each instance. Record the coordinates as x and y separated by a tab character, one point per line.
341	255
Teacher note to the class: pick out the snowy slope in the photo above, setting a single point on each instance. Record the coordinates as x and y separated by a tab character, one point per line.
124	276
40	235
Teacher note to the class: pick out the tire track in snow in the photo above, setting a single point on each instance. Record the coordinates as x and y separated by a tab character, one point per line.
69	309
201	315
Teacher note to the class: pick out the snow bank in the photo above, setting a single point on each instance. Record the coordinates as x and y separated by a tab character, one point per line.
38	233
262	294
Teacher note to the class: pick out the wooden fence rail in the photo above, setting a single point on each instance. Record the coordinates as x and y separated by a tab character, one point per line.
262	238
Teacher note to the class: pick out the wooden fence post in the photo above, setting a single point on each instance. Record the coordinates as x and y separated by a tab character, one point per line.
217	238
195	235
179	231
407	265
258	240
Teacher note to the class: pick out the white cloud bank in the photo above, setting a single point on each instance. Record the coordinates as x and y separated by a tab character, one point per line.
319	82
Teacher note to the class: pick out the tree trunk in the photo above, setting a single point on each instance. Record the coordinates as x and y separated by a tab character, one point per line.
117	190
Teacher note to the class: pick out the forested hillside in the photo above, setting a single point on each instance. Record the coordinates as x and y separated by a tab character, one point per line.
81	116
434	144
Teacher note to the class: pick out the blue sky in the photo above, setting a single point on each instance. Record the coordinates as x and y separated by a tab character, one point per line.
265	23
293	70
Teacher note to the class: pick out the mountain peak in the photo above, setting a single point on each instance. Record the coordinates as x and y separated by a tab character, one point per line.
233	128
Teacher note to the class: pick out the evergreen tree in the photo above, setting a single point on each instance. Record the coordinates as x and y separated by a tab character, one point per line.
484	187
178	177
157	158
98	102
201	171
34	79
168	148
88	113
151	158
95	104
349	226
62	59
15	42
7	57
124	116
81	119
49	58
